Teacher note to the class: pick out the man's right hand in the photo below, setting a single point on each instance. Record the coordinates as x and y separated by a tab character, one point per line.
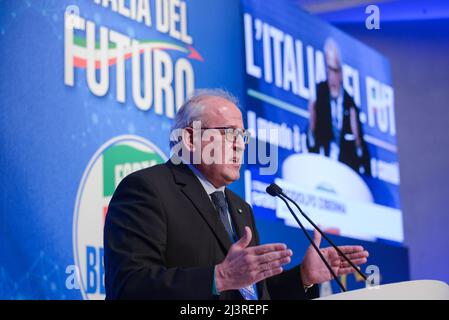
245	266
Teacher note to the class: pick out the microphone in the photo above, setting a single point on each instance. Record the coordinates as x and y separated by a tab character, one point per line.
276	191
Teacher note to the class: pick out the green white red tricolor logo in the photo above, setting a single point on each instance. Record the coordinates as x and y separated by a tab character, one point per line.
80	51
113	161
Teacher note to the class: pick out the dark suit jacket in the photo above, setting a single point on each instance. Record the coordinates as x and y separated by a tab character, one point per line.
324	134
163	237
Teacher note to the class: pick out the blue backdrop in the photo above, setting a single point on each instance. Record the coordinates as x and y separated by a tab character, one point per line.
59	137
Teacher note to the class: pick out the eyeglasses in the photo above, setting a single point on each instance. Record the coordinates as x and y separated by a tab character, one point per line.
232	134
334	69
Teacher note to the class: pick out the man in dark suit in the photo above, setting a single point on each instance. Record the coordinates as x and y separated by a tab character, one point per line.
334	125
174	231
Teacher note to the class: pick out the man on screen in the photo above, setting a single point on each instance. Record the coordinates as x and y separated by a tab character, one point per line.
174	231
334	125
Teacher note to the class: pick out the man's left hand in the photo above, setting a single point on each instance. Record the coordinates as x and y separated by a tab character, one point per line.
313	269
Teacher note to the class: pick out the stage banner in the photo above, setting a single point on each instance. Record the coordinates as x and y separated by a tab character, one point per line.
320	108
323	104
88	91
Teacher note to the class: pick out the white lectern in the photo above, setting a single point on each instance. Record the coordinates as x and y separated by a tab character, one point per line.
409	290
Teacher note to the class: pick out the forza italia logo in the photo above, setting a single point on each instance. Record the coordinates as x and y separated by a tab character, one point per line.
112	162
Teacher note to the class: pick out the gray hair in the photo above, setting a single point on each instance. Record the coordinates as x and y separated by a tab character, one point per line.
331	46
192	110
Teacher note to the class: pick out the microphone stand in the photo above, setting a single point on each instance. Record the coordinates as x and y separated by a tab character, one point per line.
313	244
274	190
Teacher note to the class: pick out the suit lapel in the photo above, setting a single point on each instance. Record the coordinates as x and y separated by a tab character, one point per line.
194	191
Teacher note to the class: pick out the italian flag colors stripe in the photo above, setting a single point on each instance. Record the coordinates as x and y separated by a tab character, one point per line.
80	51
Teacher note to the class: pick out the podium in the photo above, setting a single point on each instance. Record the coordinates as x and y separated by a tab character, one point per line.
408	290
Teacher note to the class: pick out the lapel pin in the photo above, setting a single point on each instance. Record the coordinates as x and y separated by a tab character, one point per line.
240	210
